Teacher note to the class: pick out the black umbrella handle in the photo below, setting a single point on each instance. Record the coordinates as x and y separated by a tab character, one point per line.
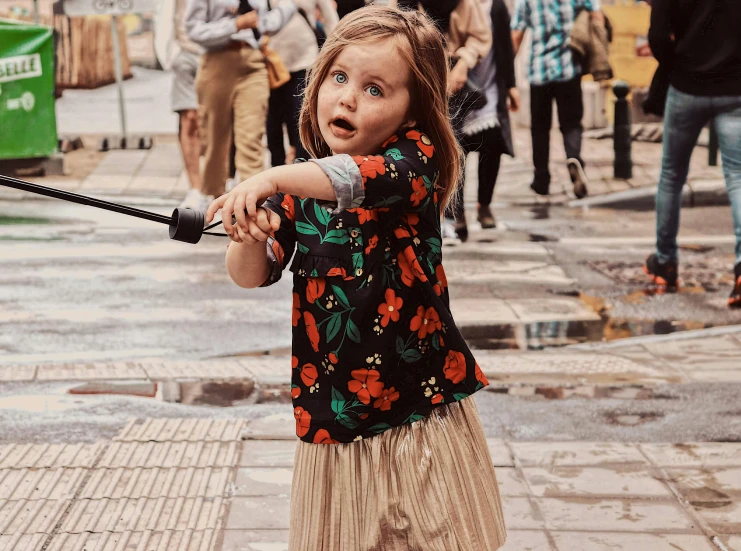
185	224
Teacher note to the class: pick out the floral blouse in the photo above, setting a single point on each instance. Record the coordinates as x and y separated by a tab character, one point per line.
374	343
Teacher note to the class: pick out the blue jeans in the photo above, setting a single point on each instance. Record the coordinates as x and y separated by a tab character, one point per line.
684	118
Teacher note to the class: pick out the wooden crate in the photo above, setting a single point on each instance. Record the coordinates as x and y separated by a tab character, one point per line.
85	51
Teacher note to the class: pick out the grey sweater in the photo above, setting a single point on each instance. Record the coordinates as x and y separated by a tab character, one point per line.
213	23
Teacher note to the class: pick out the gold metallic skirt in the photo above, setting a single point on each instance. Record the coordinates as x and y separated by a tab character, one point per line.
425	486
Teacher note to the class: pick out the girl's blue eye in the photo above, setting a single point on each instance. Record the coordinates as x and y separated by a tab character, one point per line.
374	91
339	78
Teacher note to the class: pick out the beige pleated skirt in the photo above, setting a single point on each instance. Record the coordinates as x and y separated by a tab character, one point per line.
425	486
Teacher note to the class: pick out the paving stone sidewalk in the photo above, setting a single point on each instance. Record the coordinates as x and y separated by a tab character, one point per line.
224	485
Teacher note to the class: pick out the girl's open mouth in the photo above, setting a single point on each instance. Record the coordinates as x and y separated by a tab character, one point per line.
342	126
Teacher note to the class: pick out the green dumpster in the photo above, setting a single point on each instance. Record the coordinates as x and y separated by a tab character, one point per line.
28	125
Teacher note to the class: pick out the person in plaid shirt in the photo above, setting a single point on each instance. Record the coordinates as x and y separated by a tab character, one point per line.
554	73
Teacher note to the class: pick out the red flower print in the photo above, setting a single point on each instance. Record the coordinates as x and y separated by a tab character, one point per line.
419	191
314	288
437	399
410	268
333	357
294	362
401	233
311	330
277	250
389	310
303	421
366	384
372	244
442	280
309	374
365	215
426	322
295	391
363	416
412	220
322	437
296	314
370	167
423	143
392	139
455	367
336	272
480	377
289	207
383	402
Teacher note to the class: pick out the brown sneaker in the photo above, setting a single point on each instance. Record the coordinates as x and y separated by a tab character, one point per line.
486	217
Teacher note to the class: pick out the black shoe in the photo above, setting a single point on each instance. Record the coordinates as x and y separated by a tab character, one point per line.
663	275
541	188
734	301
486	217
461	229
578	178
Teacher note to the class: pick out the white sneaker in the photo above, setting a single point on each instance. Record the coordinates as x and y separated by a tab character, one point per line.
450	237
195	200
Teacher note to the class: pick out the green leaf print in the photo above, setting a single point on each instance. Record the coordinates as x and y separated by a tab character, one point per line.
306	229
338	237
322	214
380	427
343	419
357	260
340	294
303	248
458	396
338	401
428	182
435	244
394	153
352	331
478	387
412	355
333	327
399	345
414	417
436	341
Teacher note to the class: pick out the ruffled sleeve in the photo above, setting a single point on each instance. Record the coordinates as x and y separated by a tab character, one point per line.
281	243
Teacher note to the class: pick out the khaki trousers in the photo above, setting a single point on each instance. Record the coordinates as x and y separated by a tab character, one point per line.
233	91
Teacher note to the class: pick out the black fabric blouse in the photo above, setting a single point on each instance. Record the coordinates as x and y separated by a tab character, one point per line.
374	343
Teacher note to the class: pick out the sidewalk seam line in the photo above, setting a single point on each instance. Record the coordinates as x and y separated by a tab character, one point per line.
75	498
686	505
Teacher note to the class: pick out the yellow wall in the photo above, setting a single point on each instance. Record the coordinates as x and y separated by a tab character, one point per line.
628	22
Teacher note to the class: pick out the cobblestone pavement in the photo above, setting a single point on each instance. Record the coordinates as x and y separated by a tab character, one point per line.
196	485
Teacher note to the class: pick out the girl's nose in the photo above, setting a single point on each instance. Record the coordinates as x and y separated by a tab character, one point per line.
348	98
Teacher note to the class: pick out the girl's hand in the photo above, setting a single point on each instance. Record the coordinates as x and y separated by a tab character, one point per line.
457	77
258	230
242	202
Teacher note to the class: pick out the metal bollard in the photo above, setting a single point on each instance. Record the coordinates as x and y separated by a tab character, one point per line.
623	167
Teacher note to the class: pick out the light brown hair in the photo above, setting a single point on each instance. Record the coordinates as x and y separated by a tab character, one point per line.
420	45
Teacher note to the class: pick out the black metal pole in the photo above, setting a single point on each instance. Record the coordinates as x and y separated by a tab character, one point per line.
14	183
623	167
712	145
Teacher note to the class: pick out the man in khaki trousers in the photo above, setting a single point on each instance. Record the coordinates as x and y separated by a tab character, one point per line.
232	83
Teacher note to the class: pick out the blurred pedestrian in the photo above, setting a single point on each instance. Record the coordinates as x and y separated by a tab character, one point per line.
298	46
232	82
487	130
467	31
554	74
346	6
699	40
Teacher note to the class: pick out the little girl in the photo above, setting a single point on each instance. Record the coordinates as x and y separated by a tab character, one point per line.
381	375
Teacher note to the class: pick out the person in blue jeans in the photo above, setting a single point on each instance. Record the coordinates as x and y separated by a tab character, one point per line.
701	45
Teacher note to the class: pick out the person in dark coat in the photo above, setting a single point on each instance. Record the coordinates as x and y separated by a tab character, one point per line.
699	41
487	130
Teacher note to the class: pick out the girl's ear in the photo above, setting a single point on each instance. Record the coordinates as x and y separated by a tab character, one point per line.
410	123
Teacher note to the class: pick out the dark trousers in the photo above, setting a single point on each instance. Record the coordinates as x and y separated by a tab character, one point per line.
570	107
489	146
284	107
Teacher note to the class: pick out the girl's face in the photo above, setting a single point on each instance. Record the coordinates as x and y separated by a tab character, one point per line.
364	98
